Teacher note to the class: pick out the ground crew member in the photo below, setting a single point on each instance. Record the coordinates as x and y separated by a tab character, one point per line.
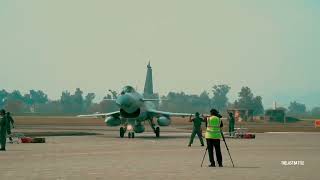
3	129
196	129
231	124
213	135
10	125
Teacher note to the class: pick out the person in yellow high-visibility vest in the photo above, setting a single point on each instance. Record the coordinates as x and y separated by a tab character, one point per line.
213	135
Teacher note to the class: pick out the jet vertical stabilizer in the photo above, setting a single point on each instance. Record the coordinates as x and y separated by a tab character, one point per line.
148	86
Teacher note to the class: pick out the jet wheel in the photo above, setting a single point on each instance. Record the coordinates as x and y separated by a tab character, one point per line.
122	131
157	131
130	134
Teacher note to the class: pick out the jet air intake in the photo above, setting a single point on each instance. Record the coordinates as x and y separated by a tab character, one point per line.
130	115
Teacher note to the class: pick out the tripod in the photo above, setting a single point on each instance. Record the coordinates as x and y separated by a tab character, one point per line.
224	140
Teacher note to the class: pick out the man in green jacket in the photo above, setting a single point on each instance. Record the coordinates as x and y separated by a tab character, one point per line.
196	129
3	129
231	124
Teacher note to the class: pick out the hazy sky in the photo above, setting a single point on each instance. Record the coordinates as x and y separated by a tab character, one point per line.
272	46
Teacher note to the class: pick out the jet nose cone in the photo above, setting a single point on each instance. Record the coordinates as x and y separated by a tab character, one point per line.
126	102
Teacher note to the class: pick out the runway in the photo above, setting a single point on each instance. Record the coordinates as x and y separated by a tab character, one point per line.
106	156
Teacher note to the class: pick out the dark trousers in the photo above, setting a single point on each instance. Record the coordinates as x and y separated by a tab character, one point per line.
231	129
216	144
9	133
194	133
3	139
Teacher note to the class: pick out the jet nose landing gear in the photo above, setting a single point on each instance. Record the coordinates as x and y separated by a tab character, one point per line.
124	129
130	134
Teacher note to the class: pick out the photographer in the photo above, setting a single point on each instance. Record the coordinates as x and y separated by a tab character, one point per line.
213	136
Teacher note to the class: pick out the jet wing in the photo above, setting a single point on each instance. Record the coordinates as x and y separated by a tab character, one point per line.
169	113
115	113
144	99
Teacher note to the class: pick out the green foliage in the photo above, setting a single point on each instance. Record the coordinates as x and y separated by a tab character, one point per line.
315	112
15	95
14	102
257	106
51	108
3	96
36	101
247	100
297	108
88	100
66	101
220	99
181	102
35	97
75	103
78	102
106	105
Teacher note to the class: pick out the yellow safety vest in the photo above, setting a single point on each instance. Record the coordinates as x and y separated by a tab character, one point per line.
213	128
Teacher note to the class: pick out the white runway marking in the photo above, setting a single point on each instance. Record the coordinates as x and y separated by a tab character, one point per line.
293	132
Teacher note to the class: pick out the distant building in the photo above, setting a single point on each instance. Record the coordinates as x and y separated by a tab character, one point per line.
278	115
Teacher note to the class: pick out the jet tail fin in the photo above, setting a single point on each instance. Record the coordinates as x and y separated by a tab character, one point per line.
148	86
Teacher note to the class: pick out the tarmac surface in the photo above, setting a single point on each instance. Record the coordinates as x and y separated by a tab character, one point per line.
106	156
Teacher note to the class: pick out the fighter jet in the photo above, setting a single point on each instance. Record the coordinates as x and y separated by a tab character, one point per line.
135	108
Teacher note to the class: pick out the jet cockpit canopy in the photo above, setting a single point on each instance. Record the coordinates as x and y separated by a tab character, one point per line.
127	89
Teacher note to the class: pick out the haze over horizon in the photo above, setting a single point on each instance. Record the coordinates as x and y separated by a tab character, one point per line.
270	46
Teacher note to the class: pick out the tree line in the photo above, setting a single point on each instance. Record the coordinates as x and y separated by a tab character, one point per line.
77	102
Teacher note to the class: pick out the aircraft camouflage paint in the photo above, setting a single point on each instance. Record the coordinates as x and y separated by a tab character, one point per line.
135	108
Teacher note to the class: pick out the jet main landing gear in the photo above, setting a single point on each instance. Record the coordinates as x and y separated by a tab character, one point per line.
157	131
122	132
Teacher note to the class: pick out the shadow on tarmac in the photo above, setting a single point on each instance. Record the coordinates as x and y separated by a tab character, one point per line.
161	137
241	167
150	137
